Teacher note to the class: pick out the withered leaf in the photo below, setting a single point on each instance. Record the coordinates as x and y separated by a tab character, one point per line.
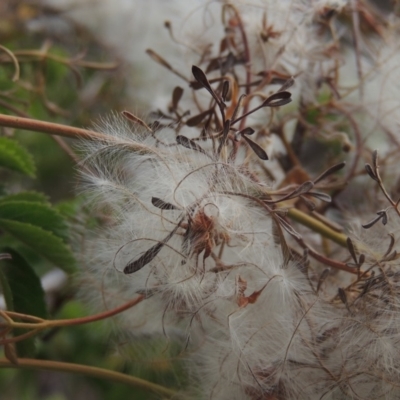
287	84
371	172
342	296
375	159
329	171
227	127
128	115
200	77
288	228
176	97
189	144
321	196
213	65
223	45
309	204
260	152
392	256
352	249
197	119
302	189
322	278
305	187
149	255
277	99
381	215
157	58
225	90
247	131
391	244
384	216
228	63
238	106
163	205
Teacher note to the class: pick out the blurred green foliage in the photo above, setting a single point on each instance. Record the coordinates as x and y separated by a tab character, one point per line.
40	213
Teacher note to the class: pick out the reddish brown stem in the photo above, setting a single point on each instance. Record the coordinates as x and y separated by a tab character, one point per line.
49	127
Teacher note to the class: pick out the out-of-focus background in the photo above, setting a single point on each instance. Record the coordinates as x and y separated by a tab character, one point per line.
70	75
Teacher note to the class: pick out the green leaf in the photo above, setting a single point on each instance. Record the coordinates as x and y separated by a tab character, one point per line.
42	242
32	196
37	214
15	157
27	296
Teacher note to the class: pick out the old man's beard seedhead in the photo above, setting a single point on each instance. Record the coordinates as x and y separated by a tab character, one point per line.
184	210
198	221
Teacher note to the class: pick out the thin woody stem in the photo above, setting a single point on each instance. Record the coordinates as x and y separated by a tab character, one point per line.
27	363
49	127
14	60
326	260
317	226
45	324
40	55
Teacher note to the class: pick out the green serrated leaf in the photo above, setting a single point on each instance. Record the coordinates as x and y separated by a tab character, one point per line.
32	196
27	295
42	242
69	208
15	157
38	214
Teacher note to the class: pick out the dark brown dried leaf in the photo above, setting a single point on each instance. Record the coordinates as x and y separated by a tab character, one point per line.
390	257
352	250
287	84
371	173
321	196
260	152
391	244
228	63
163	205
149	255
128	115
176	97
223	45
200	77
197	119
309	204
342	296
322	278
288	228
305	187
247	131
157	58
373	222
225	90
238	106
375	159
329	171
227	126
213	65
277	99
189	144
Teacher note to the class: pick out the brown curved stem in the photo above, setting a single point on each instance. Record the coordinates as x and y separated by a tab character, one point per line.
45	324
28	363
35	125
